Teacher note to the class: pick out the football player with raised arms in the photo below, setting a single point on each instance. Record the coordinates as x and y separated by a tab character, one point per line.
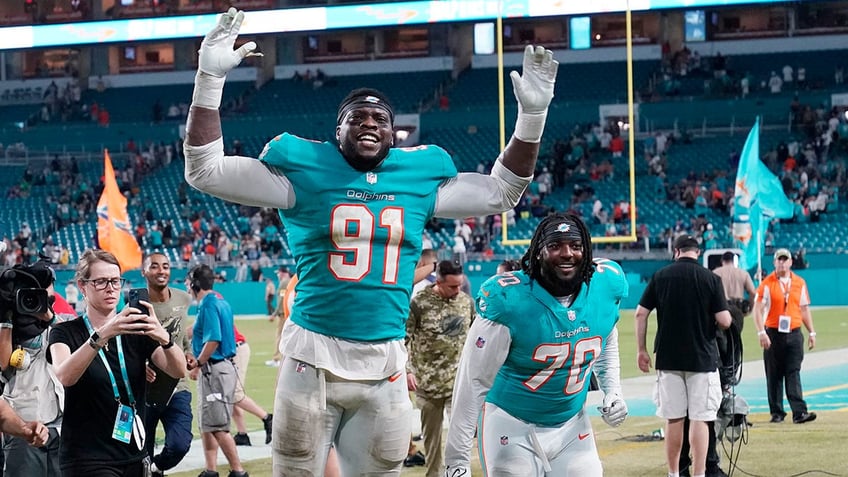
525	368
354	211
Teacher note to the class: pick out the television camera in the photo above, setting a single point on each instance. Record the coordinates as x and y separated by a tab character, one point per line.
24	299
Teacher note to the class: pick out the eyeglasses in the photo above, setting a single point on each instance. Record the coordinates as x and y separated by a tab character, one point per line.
100	284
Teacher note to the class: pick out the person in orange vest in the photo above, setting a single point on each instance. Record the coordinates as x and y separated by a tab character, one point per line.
781	307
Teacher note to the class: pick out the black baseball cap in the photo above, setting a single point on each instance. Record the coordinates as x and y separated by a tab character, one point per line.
686	242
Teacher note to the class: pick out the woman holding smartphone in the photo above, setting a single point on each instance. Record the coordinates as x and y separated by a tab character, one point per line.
100	360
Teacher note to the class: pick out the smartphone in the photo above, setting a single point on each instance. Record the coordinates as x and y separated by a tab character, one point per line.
136	295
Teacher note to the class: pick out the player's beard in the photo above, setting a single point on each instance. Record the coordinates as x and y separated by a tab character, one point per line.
555	285
358	161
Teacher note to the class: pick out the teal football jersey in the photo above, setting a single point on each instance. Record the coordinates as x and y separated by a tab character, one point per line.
356	236
546	375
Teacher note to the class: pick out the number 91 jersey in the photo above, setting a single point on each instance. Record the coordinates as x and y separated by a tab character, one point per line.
356	236
545	377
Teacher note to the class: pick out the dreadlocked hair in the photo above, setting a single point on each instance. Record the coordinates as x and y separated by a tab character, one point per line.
531	263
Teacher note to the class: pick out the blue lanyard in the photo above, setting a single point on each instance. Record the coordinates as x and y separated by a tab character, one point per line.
121	362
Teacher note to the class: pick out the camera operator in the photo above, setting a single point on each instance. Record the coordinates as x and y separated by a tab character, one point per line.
31	387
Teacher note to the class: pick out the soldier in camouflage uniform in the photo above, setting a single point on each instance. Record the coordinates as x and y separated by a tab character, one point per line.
439	318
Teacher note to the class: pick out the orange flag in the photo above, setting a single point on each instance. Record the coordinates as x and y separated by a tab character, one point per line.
114	230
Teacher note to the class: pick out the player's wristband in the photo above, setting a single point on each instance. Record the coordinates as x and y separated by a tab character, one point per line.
529	126
208	90
761	332
813	334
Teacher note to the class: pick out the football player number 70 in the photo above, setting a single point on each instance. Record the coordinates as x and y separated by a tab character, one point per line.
352	228
559	355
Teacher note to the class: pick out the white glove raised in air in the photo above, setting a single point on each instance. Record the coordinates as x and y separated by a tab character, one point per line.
458	471
614	409
217	58
534	90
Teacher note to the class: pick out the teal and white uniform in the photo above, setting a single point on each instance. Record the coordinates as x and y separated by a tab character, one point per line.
356	237
528	357
356	227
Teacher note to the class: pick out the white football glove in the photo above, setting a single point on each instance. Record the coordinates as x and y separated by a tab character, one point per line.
217	58
458	471
534	90
614	409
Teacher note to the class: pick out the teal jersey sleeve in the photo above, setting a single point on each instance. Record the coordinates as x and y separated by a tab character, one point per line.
611	278
356	236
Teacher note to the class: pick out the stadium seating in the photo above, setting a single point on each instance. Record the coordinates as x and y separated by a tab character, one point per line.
469	131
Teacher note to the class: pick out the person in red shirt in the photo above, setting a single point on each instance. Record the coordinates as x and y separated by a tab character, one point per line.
617	146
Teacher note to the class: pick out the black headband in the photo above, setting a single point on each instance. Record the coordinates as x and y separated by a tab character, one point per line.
365	100
564	229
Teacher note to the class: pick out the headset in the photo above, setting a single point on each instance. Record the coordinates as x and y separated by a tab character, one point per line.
200	278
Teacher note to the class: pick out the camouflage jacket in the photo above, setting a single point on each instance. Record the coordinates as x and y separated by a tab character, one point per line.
435	334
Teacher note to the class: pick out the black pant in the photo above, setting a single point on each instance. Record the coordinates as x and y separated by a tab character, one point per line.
783	366
176	418
713	459
135	469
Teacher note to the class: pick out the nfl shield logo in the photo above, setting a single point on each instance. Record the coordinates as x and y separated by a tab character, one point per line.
300	368
504	440
480	342
572	315
371	178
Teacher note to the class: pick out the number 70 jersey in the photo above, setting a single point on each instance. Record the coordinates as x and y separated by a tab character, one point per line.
356	236
545	377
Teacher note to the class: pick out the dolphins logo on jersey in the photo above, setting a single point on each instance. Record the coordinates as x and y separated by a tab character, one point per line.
452	325
481	303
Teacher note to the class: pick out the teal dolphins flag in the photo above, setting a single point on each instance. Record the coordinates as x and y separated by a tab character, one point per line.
758	198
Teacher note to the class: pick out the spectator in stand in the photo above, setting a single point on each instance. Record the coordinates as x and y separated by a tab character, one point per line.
775	84
617	145
103	118
787	74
